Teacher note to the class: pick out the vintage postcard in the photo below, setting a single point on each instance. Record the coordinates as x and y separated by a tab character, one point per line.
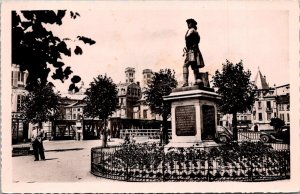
150	96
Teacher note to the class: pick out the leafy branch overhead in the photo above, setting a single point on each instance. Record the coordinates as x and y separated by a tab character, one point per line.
36	49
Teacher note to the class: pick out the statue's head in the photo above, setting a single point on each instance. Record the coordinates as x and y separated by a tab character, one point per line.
191	22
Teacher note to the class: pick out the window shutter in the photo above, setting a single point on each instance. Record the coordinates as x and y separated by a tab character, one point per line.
25	77
15	79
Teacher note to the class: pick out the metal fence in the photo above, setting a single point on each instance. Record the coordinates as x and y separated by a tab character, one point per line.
251	136
149	133
187	165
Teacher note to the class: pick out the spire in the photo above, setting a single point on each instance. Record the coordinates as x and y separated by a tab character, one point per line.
260	81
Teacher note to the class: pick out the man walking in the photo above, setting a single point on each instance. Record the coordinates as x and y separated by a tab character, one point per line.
37	142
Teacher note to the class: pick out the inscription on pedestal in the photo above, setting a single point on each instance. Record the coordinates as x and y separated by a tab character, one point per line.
185	120
209	122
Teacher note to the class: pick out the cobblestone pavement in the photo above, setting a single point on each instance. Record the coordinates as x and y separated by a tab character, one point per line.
66	161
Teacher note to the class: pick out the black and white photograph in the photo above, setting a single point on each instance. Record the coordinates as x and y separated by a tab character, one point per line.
150	96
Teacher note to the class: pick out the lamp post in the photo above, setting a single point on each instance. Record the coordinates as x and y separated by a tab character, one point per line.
79	129
276	101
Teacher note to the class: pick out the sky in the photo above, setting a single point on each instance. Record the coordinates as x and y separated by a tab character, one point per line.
153	37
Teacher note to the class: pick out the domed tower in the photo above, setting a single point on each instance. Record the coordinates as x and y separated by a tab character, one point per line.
130	74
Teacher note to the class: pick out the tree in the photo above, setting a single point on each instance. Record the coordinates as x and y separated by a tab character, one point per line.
161	84
236	90
40	104
101	101
36	49
277	123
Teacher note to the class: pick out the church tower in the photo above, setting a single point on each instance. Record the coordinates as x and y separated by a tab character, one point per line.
260	81
130	74
147	75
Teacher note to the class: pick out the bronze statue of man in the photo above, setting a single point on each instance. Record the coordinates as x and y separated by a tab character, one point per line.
193	55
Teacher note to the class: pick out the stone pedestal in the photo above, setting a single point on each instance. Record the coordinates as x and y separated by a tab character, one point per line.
194	116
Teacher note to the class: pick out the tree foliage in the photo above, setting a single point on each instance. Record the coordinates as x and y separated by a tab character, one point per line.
101	100
277	123
41	104
161	84
236	90
35	48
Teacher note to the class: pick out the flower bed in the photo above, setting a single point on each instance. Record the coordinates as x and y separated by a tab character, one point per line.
244	161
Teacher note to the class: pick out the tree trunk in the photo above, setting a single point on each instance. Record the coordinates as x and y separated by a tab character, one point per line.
234	127
165	129
104	139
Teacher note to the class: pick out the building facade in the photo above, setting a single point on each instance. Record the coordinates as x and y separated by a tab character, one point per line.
141	109
270	102
128	95
20	128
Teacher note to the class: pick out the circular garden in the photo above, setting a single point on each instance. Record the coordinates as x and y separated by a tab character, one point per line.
244	161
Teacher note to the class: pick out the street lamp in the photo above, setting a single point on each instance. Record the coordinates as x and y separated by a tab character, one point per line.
276	101
79	129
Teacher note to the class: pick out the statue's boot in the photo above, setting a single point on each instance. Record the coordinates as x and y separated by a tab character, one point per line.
198	79
185	77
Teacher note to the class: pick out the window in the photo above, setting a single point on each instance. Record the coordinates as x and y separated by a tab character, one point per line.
21	77
259	105
288	117
281	116
14	81
275	114
268	105
78	109
129	91
287	107
74	116
268	116
20	100
260	116
145	113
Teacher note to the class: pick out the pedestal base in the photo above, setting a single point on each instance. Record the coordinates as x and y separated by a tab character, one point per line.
194	117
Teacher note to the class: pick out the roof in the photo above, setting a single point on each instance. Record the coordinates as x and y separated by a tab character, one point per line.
76	104
260	81
73	96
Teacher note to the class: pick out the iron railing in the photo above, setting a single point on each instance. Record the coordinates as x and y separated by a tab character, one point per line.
187	165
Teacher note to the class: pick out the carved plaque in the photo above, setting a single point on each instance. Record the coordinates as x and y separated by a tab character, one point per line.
209	122
185	120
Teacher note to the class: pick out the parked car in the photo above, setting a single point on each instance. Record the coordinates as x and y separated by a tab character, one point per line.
223	134
279	135
243	127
